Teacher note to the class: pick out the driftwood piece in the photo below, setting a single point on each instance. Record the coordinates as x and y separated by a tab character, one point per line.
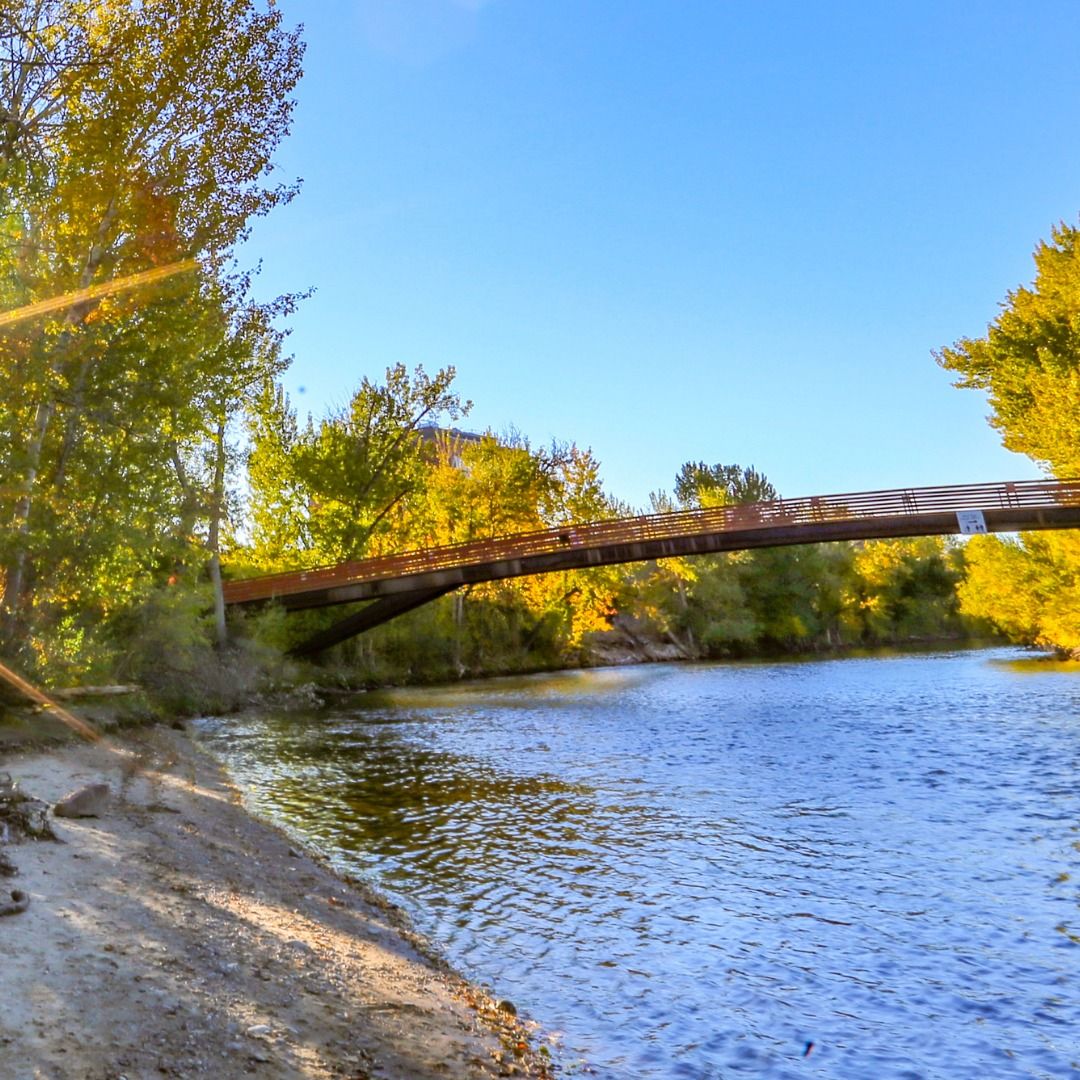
21	816
80	727
93	691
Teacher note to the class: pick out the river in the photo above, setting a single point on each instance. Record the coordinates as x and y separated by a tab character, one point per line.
864	868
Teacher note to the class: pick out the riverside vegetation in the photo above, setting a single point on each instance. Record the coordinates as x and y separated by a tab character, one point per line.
148	447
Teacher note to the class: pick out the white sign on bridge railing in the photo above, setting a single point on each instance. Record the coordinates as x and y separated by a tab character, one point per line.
971	522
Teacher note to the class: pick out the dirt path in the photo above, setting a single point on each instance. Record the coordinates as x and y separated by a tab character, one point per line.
176	936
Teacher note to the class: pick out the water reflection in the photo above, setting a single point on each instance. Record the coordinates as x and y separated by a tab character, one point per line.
694	871
403	806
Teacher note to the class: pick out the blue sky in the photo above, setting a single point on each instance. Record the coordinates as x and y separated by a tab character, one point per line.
673	231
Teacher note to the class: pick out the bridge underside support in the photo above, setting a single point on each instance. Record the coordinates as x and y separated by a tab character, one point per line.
375	614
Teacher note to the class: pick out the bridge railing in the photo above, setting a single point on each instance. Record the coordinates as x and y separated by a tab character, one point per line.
813	510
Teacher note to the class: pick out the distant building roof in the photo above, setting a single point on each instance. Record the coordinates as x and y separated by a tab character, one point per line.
430	433
452	439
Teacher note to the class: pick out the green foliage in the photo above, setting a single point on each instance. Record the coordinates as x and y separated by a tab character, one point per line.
903	590
1029	587
166	644
139	135
700	485
166	641
712	611
346	485
793	598
493	488
277	504
70	650
1028	363
785	587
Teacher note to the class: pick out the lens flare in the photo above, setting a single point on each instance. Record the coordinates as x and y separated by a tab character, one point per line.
80	727
96	292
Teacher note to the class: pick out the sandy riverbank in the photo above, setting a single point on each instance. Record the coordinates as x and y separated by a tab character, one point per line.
175	935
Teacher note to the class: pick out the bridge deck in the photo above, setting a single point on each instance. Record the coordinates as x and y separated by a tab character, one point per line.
1006	507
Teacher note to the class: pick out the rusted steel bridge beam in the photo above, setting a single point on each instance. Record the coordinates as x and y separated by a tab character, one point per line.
640	551
399	583
376	613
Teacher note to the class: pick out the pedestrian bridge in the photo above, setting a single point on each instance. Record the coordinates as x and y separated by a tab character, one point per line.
398	583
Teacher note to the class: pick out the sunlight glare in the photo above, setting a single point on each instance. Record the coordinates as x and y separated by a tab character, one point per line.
95	292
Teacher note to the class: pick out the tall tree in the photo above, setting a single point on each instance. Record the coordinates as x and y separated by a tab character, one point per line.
133	134
341	484
1028	362
241	353
1028	587
699	485
277	510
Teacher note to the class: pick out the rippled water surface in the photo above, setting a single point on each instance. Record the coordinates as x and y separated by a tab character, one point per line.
697	871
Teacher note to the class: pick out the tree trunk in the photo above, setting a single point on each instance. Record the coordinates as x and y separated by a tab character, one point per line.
189	509
14	579
217	508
